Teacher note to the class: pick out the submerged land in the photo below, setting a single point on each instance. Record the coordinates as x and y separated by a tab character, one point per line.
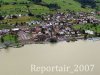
18	60
42	21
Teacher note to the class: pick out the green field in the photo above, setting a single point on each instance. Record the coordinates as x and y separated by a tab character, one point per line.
37	9
95	28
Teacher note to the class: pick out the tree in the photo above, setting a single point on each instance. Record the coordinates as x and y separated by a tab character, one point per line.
37	1
53	40
54	6
2	39
1	17
85	36
0	5
16	38
84	3
29	12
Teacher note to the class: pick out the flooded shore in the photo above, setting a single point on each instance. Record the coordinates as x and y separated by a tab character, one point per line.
17	61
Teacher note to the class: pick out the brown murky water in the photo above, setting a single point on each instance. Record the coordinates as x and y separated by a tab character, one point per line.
17	61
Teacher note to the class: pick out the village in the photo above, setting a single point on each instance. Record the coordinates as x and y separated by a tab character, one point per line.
49	37
52	28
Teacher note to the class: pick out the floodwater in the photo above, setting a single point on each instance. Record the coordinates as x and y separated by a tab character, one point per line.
18	61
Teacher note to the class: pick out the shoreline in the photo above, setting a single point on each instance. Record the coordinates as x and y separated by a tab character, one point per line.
97	39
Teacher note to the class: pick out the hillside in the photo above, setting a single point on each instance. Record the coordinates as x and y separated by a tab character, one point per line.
8	7
19	6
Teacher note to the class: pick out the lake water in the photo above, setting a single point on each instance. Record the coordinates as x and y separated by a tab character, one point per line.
17	61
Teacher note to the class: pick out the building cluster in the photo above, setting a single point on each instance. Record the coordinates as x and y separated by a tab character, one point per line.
56	27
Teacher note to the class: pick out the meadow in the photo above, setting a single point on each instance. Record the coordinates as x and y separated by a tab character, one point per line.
20	7
92	27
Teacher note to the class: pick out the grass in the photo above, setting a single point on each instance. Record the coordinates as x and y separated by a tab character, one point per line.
9	38
68	4
5	26
18	20
37	9
88	27
98	16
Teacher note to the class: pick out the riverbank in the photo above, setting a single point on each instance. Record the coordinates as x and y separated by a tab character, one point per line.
20	45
